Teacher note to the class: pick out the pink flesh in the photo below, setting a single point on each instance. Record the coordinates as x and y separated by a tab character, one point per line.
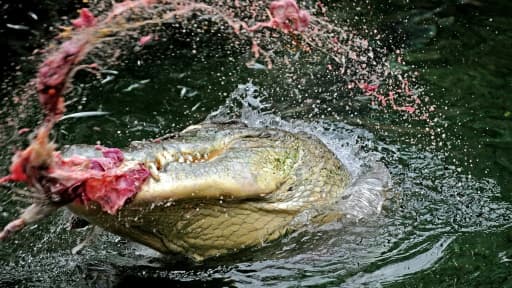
86	19
101	180
287	16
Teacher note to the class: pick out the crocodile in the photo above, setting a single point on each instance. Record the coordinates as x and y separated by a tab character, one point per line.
216	188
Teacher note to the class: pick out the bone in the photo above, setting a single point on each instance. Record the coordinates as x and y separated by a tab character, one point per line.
12	228
153	171
32	214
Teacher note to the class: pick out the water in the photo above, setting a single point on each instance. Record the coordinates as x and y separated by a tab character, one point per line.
448	222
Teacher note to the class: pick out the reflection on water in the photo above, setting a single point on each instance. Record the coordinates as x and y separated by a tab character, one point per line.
446	223
399	270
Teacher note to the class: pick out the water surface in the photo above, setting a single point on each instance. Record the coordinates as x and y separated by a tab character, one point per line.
449	222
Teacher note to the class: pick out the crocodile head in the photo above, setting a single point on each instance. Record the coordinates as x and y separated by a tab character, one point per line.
217	188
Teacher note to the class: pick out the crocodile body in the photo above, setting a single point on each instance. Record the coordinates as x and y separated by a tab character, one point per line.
218	188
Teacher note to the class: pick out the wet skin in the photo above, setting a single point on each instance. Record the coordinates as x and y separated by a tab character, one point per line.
218	188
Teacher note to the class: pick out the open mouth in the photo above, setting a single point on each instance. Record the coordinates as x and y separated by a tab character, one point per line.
170	155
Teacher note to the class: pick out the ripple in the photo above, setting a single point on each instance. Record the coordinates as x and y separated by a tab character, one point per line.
432	205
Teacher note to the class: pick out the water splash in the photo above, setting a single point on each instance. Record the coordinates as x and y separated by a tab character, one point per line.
55	74
431	204
432	199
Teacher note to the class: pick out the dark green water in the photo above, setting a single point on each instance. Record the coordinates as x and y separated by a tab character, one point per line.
449	223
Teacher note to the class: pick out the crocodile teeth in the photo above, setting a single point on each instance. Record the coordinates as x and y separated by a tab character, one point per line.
181	159
189	158
159	161
153	171
165	157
